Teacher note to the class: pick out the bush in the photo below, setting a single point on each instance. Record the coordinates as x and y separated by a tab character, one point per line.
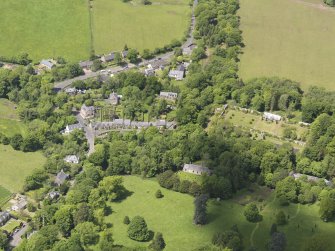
251	212
159	194
126	220
31	207
280	218
158	243
138	229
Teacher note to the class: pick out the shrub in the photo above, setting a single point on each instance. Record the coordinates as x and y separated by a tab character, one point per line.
159	194
138	229
251	212
126	220
280	218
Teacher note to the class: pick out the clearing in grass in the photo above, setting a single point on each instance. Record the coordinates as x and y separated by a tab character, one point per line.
290	39
116	23
15	166
45	28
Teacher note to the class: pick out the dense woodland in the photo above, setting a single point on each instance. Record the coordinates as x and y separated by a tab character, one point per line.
235	158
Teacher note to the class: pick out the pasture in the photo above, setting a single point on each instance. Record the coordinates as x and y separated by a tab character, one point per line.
116	23
9	119
173	214
45	28
4	195
288	38
15	166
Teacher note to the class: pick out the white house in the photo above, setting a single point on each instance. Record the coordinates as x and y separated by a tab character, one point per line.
271	116
196	169
73	159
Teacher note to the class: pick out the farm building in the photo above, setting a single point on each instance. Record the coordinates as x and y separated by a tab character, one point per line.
196	169
4	217
61	178
87	111
168	95
73	159
20	204
271	116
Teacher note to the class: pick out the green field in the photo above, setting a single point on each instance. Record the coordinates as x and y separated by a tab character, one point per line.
49	29
45	28
173	214
4	195
288	38
9	119
116	23
16	165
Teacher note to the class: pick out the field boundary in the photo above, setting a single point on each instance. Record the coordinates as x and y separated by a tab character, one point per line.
90	10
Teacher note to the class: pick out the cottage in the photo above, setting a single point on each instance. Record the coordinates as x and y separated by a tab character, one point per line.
86	64
178	75
4	217
149	72
53	195
271	116
47	63
168	95
114	98
20	205
87	111
108	58
196	169
61	178
70	128
73	159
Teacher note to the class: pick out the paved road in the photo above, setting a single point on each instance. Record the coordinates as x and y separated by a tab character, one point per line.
89	133
116	69
17	237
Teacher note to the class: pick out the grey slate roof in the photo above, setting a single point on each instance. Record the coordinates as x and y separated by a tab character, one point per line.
47	63
196	169
4	217
61	177
86	64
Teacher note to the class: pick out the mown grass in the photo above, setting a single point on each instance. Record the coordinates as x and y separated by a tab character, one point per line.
15	166
173	214
45	28
190	177
287	38
116	23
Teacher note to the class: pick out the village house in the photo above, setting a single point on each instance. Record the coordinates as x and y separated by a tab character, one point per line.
149	72
20	204
196	169
53	195
114	99
108	58
4	217
271	116
178	75
168	95
61	177
47	63
73	159
86	64
87	111
70	128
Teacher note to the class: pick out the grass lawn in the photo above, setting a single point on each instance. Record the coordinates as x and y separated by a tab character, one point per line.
45	28
9	119
4	195
251	121
190	177
173	214
116	23
16	165
11	225
288	38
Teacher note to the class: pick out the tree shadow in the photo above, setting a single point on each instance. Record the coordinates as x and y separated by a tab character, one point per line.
124	194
